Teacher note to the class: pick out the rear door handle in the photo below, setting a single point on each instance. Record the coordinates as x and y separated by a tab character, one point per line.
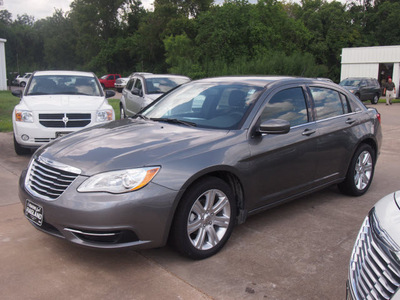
350	121
309	132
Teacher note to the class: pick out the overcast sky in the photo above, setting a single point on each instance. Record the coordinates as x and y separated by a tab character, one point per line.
42	8
45	8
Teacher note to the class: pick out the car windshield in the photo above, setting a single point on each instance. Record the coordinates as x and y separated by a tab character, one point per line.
350	82
207	105
63	85
161	85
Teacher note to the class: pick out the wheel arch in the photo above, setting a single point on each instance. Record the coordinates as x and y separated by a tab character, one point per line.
371	142
227	176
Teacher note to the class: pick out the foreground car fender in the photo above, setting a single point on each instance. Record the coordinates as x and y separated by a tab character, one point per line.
374	271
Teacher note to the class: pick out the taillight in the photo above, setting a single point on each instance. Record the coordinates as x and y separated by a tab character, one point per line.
378	116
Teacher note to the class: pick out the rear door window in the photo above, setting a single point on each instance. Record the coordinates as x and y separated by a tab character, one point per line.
328	103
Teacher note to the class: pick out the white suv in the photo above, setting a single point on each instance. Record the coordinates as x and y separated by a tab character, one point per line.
55	103
143	88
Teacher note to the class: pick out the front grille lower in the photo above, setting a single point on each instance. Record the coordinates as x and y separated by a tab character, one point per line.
65	120
374	270
48	181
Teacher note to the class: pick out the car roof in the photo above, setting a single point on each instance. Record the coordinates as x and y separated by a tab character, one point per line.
264	81
59	72
150	75
359	78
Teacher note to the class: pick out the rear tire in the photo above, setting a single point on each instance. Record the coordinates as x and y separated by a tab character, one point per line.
360	173
204	219
19	149
22	84
375	100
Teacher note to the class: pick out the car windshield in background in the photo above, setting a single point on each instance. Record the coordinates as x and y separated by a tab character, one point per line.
63	85
350	82
206	105
161	85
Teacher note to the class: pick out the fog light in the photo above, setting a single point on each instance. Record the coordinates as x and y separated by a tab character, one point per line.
24	137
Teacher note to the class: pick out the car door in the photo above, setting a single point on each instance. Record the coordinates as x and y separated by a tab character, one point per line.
365	91
283	164
136	96
336	137
127	96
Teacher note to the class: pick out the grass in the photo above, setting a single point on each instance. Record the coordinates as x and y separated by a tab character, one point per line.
8	101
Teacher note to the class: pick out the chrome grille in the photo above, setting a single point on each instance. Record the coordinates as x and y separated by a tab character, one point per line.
374	270
65	120
47	179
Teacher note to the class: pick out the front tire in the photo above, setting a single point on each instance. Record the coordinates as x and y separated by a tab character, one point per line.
205	218
360	173
122	112
19	149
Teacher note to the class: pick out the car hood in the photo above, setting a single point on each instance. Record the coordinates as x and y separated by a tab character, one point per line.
129	143
63	102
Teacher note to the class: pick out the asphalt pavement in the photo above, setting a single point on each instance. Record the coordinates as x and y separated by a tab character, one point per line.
296	251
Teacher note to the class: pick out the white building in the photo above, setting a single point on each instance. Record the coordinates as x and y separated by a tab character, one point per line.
377	62
3	72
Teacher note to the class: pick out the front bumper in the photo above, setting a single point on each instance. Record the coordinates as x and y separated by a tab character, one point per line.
139	219
38	135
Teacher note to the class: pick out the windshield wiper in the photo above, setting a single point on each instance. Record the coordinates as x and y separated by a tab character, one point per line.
174	121
140	116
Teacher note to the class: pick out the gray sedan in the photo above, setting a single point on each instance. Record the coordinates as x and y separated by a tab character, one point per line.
199	160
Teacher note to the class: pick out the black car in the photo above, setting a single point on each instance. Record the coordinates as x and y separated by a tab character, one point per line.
364	88
199	160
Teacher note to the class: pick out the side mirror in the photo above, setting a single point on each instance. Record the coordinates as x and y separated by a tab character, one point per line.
17	93
110	94
274	126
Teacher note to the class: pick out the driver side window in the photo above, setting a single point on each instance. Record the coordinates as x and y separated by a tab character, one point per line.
138	85
289	105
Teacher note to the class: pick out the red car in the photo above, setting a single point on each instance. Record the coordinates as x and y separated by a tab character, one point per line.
108	81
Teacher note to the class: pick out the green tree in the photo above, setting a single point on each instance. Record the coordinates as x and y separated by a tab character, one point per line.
58	38
94	22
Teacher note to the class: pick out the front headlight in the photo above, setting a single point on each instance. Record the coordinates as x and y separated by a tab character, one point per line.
117	182
24	116
104	115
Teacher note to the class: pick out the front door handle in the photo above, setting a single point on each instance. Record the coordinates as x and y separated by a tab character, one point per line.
309	132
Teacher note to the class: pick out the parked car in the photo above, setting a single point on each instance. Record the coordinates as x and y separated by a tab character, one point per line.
143	88
108	81
199	160
374	271
22	80
120	83
55	103
364	88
